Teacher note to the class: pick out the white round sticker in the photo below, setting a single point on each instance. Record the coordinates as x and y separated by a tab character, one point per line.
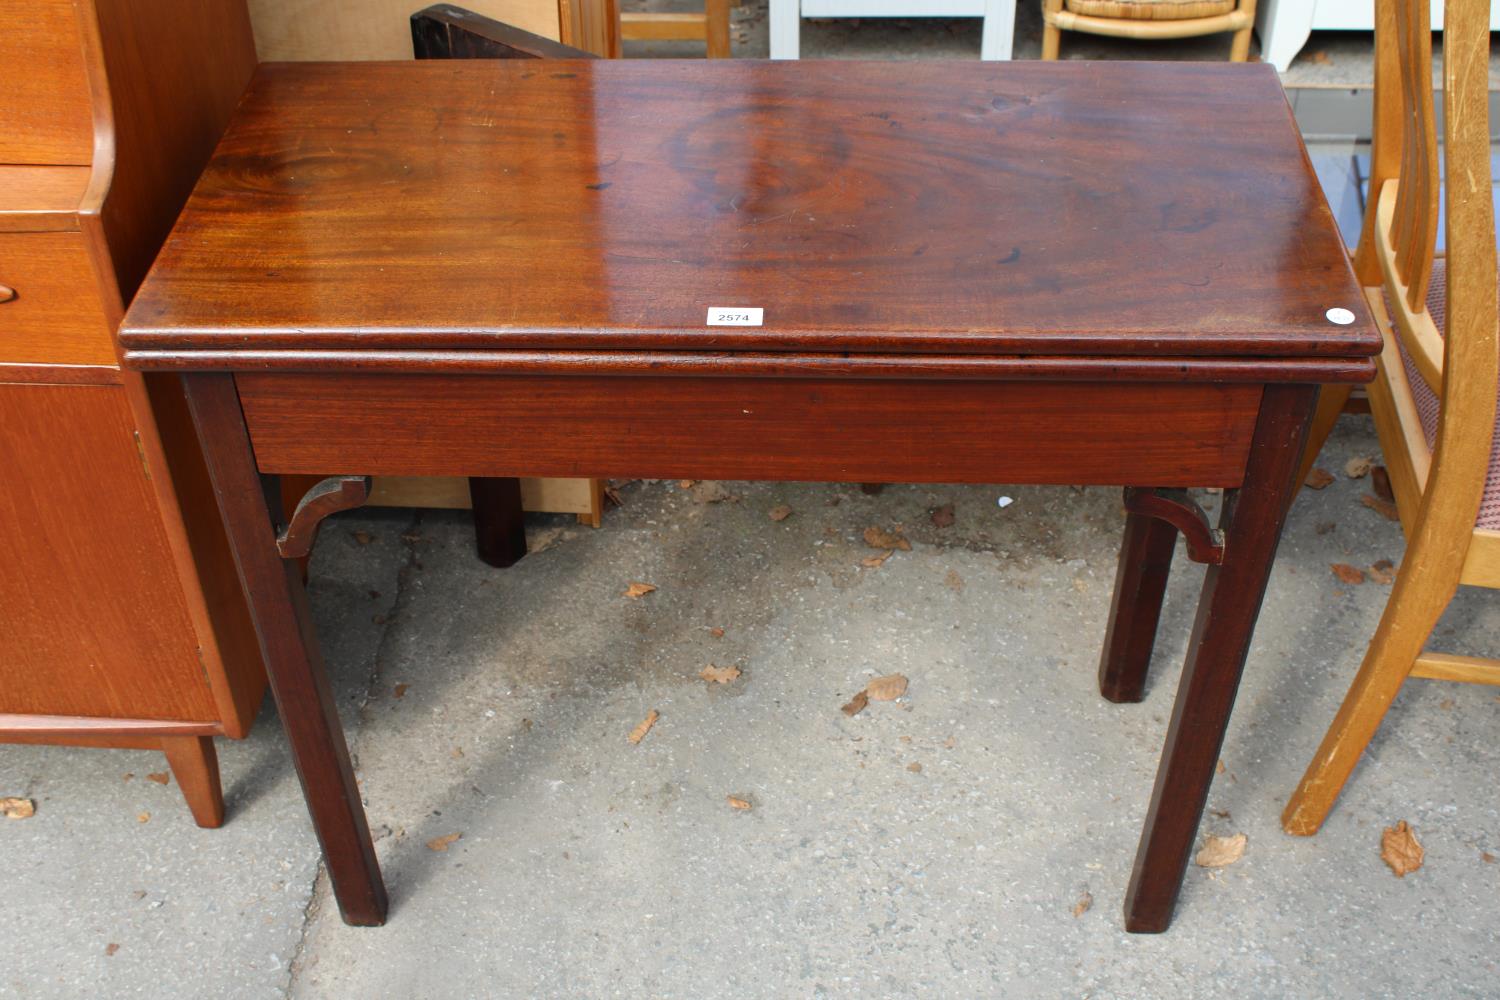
1339	315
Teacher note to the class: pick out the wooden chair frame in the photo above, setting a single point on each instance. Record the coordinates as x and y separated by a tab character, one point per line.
1438	490
1056	19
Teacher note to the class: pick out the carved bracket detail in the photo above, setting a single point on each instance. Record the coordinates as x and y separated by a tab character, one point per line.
1205	543
330	496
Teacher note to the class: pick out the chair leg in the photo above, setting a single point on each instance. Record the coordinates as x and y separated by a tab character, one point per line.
716	28
1239	50
1331	402
1423	588
195	765
1051	41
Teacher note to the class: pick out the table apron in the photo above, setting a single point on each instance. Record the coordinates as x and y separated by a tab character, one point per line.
838	430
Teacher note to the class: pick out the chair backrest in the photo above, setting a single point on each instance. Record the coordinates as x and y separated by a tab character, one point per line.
1397	248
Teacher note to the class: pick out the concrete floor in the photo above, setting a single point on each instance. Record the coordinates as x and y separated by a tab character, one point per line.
588	867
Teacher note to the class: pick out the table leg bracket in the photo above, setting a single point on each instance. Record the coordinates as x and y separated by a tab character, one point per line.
1205	543
329	496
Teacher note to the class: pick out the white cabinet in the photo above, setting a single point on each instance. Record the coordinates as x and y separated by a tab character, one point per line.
1283	25
999	19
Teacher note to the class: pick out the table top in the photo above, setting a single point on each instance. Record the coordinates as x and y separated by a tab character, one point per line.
1122	210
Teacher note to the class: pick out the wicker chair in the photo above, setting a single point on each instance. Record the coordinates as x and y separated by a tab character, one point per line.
1434	398
1149	19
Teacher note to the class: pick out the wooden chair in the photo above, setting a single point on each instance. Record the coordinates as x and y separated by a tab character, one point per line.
710	27
1149	19
1434	399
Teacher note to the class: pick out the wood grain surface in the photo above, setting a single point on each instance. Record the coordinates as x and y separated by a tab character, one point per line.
44	91
752	428
96	624
56	316
1132	209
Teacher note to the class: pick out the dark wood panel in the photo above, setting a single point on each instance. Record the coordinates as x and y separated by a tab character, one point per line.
796	429
718	364
176	68
236	673
1139	209
96	624
444	31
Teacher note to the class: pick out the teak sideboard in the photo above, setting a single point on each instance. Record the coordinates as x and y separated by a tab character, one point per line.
121	621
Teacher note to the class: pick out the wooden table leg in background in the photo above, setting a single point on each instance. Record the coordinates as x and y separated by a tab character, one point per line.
283	625
499	521
1140	585
1232	590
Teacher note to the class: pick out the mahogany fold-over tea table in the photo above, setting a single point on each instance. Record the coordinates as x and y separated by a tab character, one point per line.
1071	273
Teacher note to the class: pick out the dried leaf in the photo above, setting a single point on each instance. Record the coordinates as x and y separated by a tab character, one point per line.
856	704
400	691
637	589
780	513
1219	768
1383	571
1399	849
1320	57
1486	857
950	743
13	808
1326	527
1380	482
1359	467
160	777
719	675
456	753
1384	508
914	767
735	802
144	817
1220	852
716	632
639	732
875	562
1317	479
444	842
363	537
1447	704
1085	901
943	516
1348	574
953	581
887	688
879	538
686	484
111	948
